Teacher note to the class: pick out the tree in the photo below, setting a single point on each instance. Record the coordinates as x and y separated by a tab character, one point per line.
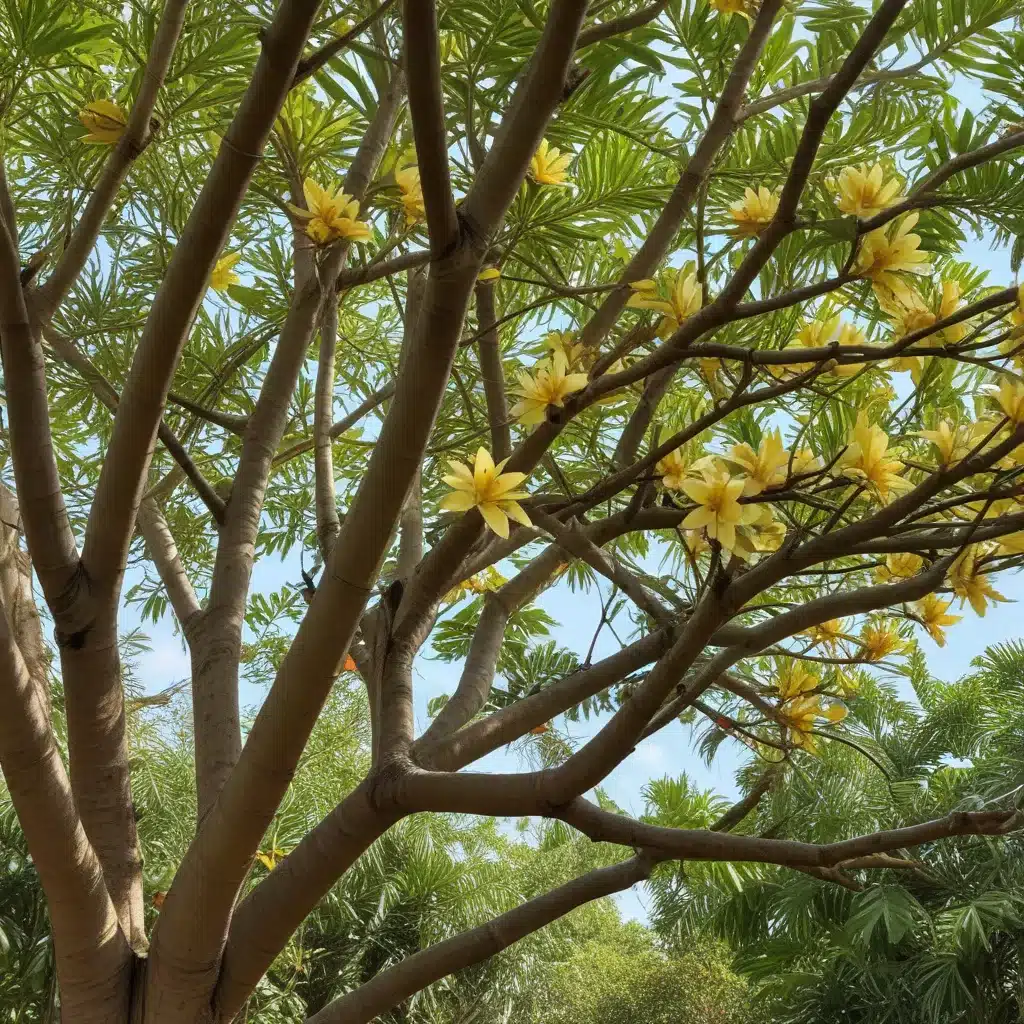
428	878
939	940
620	977
768	478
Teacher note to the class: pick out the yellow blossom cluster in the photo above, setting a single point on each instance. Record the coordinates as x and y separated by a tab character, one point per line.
683	299
801	708
548	166
330	215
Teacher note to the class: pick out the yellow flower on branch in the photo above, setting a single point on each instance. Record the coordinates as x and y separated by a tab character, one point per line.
718	509
827	633
816	334
764	468
880	639
864	192
548	165
1010	399
566	343
684	299
270	858
487	489
882	253
971	583
795	679
408	181
550	385
801	715
105	120
931	611
484	581
330	215
805	461
673	469
866	460
754	212
952	442
712	368
744	8
223	276
901	566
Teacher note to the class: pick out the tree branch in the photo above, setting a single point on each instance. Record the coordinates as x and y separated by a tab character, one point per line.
328	525
430	132
522	128
491	371
619	26
397	983
692	844
315	61
666	227
133	140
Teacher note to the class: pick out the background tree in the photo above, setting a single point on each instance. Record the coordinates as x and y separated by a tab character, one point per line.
937	942
731	275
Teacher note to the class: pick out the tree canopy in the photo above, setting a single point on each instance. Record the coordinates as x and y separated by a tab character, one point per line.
444	307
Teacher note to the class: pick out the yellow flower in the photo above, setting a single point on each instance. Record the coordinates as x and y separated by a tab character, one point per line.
712	368
683	301
949	303
865	460
696	542
805	461
330	215
880	639
816	334
864	192
486	580
548	165
718	509
222	277
408	181
827	633
766	532
270	858
566	343
794	679
487	489
731	7
970	583
882	254
901	566
909	311
1011	400
821	334
754	211
106	122
849	335
953	442
673	468
931	612
550	385
801	715
766	467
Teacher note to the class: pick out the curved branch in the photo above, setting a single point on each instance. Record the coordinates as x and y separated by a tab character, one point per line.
390	987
